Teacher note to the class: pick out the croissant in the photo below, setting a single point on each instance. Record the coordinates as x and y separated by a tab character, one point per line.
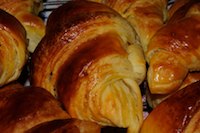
33	109
174	50
178	113
26	12
145	16
13	48
22	108
90	60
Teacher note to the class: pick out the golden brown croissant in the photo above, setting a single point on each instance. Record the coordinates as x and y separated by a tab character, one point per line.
180	113
174	50
26	12
145	16
35	110
13	48
22	108
89	59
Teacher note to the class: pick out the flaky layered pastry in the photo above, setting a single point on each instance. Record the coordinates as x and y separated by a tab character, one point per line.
174	50
13	48
145	16
180	113
90	60
26	12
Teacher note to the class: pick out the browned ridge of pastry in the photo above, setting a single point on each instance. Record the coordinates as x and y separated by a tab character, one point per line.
145	16
180	113
90	60
175	6
174	50
13	48
26	12
66	126
155	99
180	8
22	108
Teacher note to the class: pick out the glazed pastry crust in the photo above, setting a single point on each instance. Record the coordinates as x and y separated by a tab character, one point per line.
66	125
180	112
155	99
22	108
13	49
88	59
174	50
26	12
145	16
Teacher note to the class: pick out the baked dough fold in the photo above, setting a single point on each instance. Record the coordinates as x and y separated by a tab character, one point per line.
174	50
13	48
26	11
90	60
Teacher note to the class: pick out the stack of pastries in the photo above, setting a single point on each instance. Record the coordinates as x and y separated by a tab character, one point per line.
28	109
26	11
173	74
90	60
177	46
